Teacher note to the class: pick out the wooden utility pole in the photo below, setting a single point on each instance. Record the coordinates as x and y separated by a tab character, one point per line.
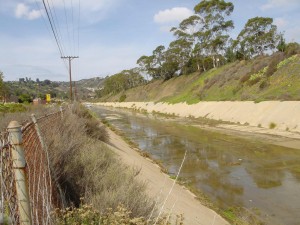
70	72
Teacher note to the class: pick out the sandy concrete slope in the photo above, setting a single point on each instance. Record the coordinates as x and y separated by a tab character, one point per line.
180	201
284	115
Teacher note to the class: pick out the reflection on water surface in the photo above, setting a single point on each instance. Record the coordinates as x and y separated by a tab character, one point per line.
231	170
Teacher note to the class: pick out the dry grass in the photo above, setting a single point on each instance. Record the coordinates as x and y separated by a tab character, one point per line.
22	117
87	214
88	168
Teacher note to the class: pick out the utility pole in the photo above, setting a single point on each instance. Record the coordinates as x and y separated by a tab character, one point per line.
70	71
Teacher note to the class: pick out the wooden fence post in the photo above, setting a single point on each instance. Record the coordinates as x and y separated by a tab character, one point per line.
19	165
61	111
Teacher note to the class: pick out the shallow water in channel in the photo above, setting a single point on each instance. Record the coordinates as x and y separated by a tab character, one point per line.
232	171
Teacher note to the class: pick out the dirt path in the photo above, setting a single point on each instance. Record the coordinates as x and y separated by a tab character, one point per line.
180	201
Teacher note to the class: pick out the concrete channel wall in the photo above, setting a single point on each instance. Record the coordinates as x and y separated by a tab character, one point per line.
284	115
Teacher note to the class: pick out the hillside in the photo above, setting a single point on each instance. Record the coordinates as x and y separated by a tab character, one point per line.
263	78
25	90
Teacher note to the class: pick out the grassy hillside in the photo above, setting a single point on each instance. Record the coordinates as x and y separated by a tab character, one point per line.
264	78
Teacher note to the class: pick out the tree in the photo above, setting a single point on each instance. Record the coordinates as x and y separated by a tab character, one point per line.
258	36
282	44
4	92
292	49
186	37
1	79
146	66
178	54
213	33
25	98
120	82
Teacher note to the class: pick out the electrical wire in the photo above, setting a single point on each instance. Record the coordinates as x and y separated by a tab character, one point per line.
53	30
68	40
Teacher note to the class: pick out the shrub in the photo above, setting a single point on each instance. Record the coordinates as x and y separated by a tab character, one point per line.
265	83
272	125
12	108
122	98
255	78
86	167
286	61
272	68
236	89
92	126
245	78
292	49
87	214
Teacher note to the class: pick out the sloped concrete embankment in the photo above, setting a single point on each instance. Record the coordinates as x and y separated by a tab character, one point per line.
283	115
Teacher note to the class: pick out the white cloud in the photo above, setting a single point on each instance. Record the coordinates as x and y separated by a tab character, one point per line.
280	22
24	11
21	10
91	11
271	4
175	14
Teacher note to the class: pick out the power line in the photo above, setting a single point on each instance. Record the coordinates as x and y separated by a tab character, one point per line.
54	22
46	24
52	28
53	19
67	23
73	26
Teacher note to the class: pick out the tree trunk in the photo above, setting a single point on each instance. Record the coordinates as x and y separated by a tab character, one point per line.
214	62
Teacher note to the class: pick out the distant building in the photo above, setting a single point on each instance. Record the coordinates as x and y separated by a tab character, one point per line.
38	101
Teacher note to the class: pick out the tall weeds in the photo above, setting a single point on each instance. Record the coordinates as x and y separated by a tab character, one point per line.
87	168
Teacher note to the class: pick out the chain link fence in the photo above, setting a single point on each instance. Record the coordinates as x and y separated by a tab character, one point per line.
41	184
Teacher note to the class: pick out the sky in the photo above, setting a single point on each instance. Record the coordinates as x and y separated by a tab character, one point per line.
108	35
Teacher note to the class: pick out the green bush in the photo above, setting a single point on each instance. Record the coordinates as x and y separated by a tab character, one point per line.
12	108
272	125
122	98
265	83
245	78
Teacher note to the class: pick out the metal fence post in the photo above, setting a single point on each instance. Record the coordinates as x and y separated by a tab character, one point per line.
19	164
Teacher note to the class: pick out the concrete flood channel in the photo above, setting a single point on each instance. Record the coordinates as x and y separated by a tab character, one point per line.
232	171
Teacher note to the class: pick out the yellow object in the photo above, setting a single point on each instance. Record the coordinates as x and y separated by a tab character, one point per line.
48	97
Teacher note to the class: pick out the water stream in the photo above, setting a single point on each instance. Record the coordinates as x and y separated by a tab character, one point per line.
232	171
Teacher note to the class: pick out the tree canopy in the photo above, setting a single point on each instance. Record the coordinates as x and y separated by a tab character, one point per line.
202	42
258	36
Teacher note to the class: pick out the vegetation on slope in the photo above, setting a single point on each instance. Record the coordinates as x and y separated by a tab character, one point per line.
263	78
86	167
229	69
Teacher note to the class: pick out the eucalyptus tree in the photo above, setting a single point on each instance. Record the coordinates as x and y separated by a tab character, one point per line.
146	66
179	52
258	36
213	35
187	38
